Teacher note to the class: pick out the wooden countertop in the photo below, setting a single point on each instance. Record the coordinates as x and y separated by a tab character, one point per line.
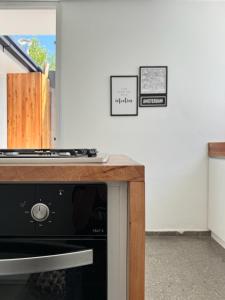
216	149
118	168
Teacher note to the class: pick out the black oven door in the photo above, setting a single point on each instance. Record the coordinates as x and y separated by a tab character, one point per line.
53	269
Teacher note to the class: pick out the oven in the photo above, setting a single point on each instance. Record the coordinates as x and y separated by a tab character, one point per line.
53	241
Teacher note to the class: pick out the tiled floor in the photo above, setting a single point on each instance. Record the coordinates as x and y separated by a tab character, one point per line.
184	268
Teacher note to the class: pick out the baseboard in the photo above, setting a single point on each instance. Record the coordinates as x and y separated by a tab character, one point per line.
218	240
179	233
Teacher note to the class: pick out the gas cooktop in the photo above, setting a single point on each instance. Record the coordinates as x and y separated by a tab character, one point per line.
22	156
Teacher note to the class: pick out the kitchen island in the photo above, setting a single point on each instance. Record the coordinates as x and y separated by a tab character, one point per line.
119	168
216	203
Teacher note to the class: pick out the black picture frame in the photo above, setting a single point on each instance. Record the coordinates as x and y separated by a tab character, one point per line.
155	96
112	101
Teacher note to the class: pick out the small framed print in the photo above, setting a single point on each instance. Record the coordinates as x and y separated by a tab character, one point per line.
153	80
153	101
124	95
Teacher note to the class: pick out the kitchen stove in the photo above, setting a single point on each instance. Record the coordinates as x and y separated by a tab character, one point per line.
46	156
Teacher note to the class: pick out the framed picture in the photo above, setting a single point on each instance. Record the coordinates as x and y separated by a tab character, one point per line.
149	101
124	95
153	80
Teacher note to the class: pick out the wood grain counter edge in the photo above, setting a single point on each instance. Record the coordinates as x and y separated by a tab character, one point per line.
216	149
118	168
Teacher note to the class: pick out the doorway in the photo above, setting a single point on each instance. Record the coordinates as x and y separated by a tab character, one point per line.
27	78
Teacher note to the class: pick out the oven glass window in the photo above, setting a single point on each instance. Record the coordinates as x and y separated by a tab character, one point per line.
85	281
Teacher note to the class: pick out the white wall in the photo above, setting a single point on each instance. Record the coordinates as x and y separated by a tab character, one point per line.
27	21
102	38
8	63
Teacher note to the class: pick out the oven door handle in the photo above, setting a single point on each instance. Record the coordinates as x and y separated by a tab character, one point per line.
38	264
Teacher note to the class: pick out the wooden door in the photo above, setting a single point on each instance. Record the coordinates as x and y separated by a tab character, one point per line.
29	117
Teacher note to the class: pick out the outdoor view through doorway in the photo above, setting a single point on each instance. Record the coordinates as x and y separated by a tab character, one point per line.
27	78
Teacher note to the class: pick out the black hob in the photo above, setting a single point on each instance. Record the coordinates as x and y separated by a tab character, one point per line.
49	153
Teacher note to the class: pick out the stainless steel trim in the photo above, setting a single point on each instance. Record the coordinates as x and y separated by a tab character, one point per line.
47	263
100	158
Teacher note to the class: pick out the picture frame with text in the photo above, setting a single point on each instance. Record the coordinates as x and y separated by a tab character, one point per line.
124	95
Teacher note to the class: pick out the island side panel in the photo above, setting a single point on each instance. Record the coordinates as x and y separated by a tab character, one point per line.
136	240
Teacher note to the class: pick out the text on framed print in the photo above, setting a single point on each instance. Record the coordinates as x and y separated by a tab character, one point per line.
124	95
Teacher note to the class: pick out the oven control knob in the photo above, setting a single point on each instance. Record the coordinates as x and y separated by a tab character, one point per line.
40	212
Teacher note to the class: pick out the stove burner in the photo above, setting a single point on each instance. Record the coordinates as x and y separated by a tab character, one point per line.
47	153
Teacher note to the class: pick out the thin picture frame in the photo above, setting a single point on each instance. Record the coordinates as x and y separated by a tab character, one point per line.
124	90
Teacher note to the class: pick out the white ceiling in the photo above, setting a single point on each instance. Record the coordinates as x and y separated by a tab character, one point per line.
27	21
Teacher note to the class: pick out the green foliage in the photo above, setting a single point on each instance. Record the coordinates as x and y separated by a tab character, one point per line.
39	55
52	62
